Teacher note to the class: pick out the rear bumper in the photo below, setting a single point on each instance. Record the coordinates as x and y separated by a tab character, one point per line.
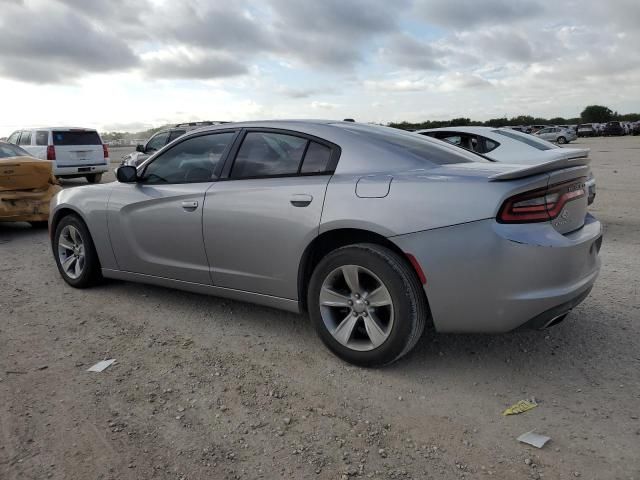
485	277
80	170
26	205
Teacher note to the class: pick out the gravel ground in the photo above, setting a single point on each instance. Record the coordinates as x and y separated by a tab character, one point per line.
210	388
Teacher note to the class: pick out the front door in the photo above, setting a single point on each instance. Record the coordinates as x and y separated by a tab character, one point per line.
155	225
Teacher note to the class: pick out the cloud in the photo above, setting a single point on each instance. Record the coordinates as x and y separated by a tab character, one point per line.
47	44
183	64
468	14
405	51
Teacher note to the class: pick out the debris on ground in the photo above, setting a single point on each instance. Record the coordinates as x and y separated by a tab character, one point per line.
534	439
520	407
101	366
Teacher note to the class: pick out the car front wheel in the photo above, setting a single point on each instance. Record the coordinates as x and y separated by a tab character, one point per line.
75	253
367	304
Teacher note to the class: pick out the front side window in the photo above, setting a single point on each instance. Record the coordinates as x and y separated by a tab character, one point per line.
266	154
42	138
192	161
157	142
14	138
25	138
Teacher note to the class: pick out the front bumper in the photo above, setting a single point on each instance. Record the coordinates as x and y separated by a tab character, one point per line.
485	277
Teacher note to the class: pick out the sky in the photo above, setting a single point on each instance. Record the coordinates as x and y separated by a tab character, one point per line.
129	65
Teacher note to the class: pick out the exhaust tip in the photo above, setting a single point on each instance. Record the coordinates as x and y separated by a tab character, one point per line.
555	320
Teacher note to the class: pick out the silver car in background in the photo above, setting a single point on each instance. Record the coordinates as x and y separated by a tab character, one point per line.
510	146
556	135
372	231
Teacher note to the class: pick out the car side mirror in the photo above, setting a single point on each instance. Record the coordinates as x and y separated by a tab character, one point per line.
140	148
127	174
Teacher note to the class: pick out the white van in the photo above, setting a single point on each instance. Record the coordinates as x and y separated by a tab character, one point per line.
75	152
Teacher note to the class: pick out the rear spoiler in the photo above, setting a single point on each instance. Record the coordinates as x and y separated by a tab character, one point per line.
528	171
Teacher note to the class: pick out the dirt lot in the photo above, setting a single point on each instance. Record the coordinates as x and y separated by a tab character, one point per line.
210	388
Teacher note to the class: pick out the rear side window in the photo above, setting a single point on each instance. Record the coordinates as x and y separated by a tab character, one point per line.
42	137
526	139
490	145
265	154
317	158
175	134
25	138
81	137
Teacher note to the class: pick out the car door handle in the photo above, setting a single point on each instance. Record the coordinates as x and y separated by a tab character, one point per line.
301	200
190	205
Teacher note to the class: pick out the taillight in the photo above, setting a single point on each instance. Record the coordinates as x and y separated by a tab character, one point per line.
541	205
105	150
51	152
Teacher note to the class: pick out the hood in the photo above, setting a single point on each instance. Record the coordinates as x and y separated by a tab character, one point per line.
25	173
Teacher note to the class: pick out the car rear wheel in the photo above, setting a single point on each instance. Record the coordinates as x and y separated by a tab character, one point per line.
75	253
367	304
94	178
562	140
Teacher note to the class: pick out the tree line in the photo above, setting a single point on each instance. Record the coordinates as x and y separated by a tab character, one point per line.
591	114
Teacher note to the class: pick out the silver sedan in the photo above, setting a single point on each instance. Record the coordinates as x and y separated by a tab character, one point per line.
372	231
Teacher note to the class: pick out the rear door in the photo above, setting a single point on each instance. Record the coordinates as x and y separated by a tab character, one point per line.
77	148
260	218
155	225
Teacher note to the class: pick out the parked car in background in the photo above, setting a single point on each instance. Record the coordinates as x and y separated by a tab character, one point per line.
509	146
556	135
586	130
372	230
613	129
160	139
74	152
27	185
635	128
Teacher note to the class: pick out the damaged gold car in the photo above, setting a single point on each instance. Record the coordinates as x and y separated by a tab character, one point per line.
27	185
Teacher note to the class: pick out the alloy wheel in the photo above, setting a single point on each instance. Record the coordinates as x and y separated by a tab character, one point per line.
71	252
356	307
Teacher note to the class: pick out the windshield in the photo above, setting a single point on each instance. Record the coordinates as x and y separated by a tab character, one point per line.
7	150
414	144
526	139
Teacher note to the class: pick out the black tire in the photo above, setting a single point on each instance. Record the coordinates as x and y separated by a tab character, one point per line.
562	140
39	224
410	308
94	178
91	274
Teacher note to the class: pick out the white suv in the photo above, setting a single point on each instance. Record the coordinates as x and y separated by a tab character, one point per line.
75	152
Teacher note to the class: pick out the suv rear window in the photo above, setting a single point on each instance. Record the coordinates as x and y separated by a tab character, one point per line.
76	138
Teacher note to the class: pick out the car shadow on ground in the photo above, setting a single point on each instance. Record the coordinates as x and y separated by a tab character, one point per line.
525	351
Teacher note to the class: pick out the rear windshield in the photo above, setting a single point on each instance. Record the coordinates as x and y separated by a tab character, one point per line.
7	150
410	143
526	139
76	138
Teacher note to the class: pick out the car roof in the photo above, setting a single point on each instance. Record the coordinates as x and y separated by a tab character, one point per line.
84	129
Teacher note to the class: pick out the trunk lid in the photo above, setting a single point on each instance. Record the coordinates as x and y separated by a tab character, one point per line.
563	202
25	173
